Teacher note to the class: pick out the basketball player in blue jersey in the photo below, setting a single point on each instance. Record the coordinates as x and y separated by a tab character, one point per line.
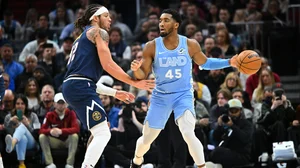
170	57
89	56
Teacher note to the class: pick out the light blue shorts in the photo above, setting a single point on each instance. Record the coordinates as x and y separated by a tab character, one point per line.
162	104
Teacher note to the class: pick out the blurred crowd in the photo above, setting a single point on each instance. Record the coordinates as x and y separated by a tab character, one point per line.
238	116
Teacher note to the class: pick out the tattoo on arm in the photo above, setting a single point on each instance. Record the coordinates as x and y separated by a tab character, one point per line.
93	33
104	35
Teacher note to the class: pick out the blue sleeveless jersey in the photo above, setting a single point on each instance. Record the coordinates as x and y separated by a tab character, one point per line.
172	68
84	58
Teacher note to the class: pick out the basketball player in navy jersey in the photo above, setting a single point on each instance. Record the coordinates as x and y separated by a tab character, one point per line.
170	57
89	56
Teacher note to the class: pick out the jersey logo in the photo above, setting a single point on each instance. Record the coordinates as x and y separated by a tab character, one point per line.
96	115
162	52
172	61
181	51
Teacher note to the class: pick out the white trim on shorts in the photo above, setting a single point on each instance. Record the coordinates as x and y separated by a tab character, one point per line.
77	78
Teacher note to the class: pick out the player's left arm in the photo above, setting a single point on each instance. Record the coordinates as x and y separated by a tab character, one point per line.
207	63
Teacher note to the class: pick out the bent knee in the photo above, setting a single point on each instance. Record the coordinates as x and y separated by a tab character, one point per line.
43	137
74	137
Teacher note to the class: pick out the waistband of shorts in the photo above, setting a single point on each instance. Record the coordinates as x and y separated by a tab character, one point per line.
77	77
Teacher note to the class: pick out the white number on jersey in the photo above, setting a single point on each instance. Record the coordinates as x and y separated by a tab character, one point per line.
72	54
170	73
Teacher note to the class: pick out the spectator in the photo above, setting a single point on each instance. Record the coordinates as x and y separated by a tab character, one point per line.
111	111
234	136
273	12
61	19
32	93
252	80
33	46
190	30
117	46
241	95
30	24
59	130
46	104
20	128
224	16
209	43
152	33
183	8
259	108
68	13
212	16
11	67
192	17
203	93
68	29
47	59
126	32
231	82
8	100
43	24
223	41
217	110
30	65
3	38
250	13
12	28
198	37
273	124
6	80
42	77
213	81
265	79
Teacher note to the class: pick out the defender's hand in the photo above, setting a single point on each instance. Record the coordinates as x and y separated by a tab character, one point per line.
233	61
125	97
136	64
144	84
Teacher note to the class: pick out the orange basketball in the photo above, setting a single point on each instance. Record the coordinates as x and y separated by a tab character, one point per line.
248	62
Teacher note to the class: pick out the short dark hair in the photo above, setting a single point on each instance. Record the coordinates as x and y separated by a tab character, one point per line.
153	29
115	29
174	13
8	45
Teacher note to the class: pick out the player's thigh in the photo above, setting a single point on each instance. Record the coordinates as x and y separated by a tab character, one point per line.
159	110
184	102
82	97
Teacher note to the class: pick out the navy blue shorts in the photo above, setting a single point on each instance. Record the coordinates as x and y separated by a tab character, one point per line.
80	94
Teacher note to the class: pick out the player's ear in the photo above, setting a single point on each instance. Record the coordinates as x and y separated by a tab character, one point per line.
176	25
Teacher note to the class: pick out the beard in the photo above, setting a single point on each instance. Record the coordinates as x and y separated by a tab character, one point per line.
166	33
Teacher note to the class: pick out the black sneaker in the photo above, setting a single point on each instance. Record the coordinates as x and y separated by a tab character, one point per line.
133	165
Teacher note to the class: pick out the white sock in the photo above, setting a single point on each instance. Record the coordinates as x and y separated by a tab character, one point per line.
101	135
1	163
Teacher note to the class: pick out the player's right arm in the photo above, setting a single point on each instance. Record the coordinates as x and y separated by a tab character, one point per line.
142	68
100	38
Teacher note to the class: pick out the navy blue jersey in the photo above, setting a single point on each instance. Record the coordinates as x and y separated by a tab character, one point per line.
84	58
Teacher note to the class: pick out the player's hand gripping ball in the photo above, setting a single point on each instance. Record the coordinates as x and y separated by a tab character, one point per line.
248	62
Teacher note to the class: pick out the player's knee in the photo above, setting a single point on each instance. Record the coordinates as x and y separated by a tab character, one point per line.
186	124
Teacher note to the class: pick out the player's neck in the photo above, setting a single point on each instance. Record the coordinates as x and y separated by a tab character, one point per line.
94	24
171	41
